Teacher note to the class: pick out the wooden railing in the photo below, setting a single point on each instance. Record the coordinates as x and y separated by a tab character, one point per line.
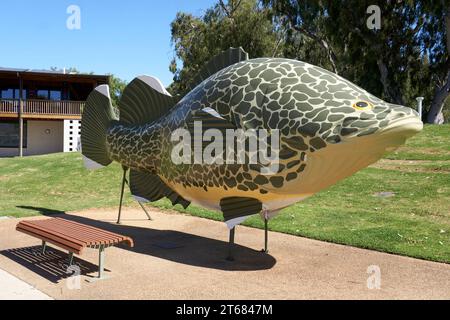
45	107
9	106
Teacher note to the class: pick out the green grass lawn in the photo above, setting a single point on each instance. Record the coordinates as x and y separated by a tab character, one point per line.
415	221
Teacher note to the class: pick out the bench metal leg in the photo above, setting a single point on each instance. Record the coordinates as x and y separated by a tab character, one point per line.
101	261
231	245
44	246
101	265
70	258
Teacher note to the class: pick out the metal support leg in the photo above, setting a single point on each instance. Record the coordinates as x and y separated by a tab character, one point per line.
140	203
231	245
266	236
101	261
121	193
145	210
44	246
70	258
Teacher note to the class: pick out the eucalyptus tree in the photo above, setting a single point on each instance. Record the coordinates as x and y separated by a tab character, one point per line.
404	57
236	23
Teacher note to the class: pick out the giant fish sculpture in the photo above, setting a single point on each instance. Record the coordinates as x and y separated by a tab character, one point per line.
327	129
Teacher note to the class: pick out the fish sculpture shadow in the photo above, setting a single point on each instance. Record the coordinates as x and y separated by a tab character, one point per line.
176	246
319	127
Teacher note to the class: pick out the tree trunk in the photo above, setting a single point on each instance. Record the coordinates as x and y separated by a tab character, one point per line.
434	115
321	41
389	90
331	56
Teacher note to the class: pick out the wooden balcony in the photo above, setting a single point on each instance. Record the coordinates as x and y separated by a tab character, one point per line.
42	109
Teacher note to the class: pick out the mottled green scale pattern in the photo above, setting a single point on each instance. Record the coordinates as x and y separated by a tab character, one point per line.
310	106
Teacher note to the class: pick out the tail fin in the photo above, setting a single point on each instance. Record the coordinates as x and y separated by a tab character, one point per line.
97	116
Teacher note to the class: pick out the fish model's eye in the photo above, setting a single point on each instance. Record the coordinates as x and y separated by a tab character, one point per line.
363	105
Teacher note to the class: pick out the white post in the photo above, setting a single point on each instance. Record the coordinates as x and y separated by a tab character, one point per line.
419	106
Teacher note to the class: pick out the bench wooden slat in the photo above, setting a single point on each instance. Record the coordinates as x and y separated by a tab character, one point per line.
72	233
76	231
88	232
56	236
51	230
44	238
98	229
84	235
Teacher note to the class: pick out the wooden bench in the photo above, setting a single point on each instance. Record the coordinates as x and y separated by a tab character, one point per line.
73	237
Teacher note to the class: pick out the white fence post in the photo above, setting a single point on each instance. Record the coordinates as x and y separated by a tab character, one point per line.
419	106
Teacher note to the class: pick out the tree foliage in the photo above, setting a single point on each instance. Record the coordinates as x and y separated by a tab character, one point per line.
233	24
116	87
406	58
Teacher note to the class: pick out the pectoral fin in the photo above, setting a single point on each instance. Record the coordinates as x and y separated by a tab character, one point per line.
150	187
236	209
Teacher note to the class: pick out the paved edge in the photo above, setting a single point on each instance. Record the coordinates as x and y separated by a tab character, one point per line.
12	288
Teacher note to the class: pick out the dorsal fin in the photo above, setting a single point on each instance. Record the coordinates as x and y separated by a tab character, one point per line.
144	100
222	60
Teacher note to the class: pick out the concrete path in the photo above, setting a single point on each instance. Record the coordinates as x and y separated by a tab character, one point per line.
12	288
182	257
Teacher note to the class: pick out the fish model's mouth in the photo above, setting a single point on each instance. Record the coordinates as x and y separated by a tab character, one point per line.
406	126
398	130
338	161
391	136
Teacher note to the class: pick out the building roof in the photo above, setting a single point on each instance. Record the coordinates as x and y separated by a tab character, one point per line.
52	73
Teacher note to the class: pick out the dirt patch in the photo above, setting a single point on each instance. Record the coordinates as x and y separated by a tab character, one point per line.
423	150
413	165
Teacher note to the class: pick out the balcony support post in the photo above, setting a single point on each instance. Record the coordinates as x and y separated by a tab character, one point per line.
20	116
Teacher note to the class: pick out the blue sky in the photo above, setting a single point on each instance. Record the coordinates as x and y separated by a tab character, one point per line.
126	38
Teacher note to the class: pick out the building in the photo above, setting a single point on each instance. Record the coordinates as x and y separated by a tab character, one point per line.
40	111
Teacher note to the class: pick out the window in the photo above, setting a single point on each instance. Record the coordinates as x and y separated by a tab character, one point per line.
9	134
55	95
7	94
42	94
17	94
12	94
